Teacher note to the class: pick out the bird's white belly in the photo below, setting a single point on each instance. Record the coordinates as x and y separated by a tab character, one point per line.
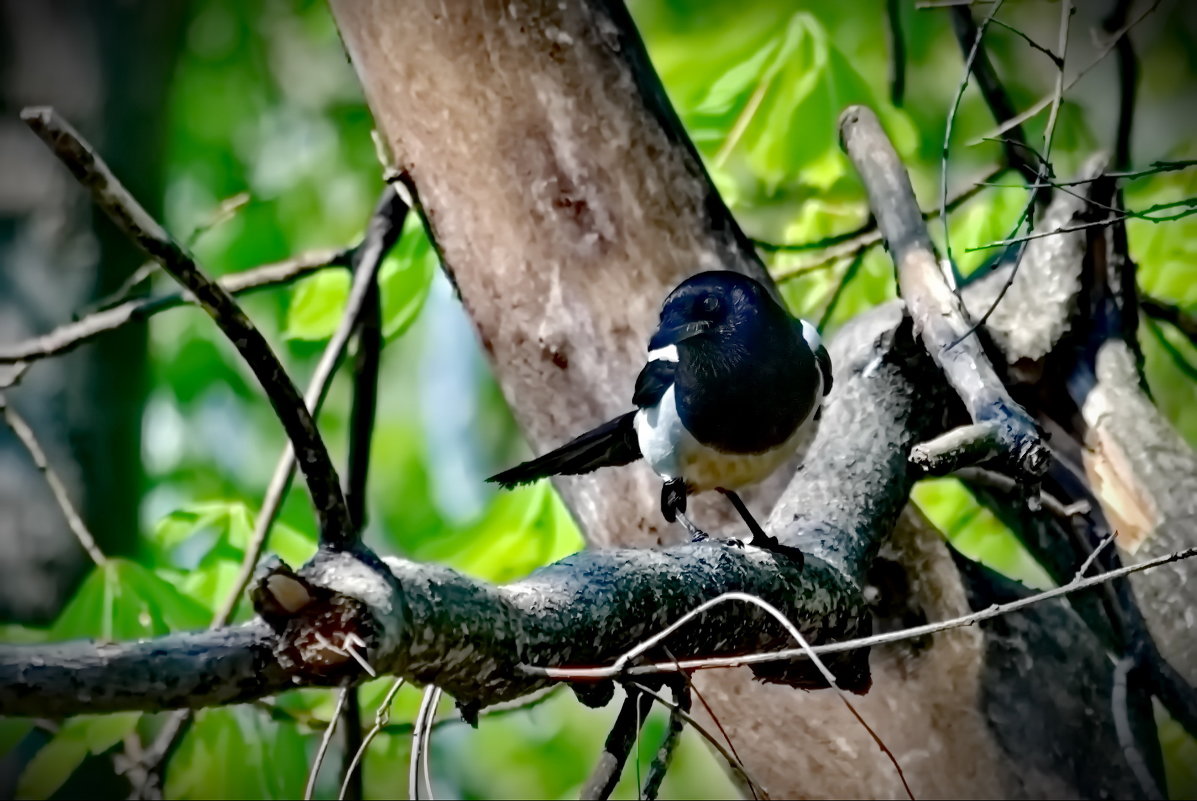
674	453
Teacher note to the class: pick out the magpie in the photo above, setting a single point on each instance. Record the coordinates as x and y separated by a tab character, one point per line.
732	389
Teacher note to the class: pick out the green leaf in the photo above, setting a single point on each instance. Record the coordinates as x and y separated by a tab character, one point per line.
269	756
317	305
57	760
405	279
122	600
213	536
520	531
976	533
229	526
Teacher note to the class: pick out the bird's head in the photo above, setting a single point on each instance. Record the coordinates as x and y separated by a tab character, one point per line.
711	306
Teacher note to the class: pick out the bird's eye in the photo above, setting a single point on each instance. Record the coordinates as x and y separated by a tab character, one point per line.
710	304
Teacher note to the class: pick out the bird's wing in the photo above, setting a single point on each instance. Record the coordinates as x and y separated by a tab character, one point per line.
653	381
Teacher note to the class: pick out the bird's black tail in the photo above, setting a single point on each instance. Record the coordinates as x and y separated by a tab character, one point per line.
611	444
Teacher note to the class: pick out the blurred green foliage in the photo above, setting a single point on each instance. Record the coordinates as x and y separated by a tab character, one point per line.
264	102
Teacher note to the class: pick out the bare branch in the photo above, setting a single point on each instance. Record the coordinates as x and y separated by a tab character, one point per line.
71	335
310	787
623	735
381	717
74	521
939	316
732	760
1046	100
1171	313
132	219
673	732
386	225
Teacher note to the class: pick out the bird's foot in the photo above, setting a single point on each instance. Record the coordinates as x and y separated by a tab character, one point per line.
765	542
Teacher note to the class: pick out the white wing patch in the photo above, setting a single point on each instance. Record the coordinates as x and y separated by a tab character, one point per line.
811	335
665	354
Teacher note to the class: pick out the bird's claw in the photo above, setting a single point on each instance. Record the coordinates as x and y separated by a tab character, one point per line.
774	545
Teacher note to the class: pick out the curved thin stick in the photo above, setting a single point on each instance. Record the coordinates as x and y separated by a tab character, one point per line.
381	718
324	741
732	761
419	744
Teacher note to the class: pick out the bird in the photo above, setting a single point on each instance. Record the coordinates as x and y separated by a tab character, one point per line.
732	389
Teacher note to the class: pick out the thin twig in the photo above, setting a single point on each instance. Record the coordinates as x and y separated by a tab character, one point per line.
959	15
71	335
1059	62
112	197
1120	703
733	761
849	243
828	676
620	667
1042	172
1190	203
25	434
1174	353
1183	321
1046	100
310	787
1096	552
673	732
1128	79
849	275
420	737
382	716
897	53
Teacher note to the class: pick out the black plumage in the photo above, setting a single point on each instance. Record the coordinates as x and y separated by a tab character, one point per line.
731	390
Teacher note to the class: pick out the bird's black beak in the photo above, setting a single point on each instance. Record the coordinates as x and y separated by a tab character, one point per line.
674	334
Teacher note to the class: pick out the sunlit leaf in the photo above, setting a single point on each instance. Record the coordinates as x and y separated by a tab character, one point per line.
976	533
122	600
520	531
317	305
406	278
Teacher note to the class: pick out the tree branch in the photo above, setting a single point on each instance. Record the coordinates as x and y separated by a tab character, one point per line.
1014	143
939	316
69	336
625	731
1171	313
146	233
673	733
